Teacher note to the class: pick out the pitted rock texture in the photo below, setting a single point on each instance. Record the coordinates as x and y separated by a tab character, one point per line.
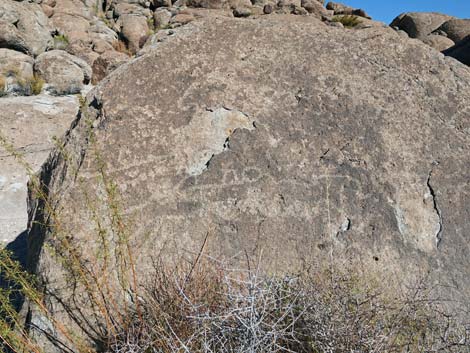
419	24
352	143
29	125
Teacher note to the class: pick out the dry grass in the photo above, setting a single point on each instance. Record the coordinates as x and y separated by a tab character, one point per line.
348	21
121	47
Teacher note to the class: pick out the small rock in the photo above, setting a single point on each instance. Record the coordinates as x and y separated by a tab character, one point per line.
268	8
133	29
341	9
242	12
161	18
16	70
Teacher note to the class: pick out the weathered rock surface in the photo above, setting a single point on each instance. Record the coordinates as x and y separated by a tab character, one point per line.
32	32
419	24
134	29
461	51
16	70
361	150
341	9
63	73
28	124
456	29
438	42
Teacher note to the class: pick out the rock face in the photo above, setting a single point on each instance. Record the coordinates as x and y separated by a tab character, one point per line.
361	150
438	42
461	51
29	124
24	27
456	29
419	24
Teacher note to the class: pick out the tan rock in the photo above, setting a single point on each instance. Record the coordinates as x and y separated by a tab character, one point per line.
438	42
351	144
29	124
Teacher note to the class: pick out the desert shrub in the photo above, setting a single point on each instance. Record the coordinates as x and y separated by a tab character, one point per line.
37	83
121	47
348	21
61	41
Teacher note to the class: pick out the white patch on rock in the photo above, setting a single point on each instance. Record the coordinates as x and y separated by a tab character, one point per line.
209	134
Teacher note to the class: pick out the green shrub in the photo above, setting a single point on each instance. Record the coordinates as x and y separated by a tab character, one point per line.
348	21
61	41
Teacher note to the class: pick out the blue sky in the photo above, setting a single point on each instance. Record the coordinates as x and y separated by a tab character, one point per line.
387	10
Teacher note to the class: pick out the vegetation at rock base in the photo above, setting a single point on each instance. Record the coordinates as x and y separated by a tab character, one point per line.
348	21
37	84
2	86
61	41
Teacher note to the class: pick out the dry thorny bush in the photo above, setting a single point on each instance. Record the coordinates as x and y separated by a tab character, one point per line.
209	308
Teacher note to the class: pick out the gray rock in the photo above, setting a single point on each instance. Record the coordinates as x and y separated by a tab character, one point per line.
419	24
269	153
438	42
268	8
341	9
64	73
134	29
106	63
16	70
456	29
28	123
242	12
161	18
31	33
461	51
315	8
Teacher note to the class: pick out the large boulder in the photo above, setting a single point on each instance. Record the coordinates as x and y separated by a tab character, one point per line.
351	144
24	27
461	51
63	73
456	29
419	24
28	124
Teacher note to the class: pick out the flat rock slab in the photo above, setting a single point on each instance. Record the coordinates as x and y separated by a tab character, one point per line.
29	124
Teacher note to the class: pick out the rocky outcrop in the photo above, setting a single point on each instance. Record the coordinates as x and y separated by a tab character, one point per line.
341	9
419	24
28	124
24	27
461	51
361	151
16	72
456	29
62	72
